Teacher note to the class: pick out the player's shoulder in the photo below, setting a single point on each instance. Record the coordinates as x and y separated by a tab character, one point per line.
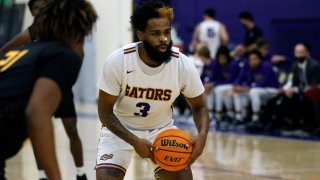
117	56
179	57
183	62
49	49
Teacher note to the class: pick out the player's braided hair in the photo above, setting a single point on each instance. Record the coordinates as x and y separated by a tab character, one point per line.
149	10
65	20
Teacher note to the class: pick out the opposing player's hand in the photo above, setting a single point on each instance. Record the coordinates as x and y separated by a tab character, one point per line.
198	144
144	148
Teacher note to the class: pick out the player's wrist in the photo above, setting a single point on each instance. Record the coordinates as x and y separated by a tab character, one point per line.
135	141
202	134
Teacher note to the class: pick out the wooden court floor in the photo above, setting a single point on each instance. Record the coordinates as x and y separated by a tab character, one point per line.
227	156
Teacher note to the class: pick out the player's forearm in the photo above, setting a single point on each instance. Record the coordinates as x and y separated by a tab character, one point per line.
42	137
114	125
201	120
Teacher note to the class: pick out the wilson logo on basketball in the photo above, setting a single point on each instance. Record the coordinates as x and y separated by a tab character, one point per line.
173	143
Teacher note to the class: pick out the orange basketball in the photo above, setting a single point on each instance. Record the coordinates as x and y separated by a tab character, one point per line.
172	153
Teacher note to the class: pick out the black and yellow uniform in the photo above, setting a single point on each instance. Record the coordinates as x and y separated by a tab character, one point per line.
66	107
19	70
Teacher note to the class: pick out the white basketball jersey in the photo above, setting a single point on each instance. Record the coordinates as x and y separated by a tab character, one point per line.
145	101
210	34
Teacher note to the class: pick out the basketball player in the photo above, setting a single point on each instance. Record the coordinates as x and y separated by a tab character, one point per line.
140	81
66	110
35	77
257	82
211	33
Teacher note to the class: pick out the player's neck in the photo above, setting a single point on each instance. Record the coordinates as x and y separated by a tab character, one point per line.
145	58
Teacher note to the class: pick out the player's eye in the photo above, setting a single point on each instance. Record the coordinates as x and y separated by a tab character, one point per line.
155	34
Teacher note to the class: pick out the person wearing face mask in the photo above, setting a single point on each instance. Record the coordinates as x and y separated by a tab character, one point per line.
304	76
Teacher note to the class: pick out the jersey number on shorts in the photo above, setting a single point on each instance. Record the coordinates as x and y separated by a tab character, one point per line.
211	33
144	108
11	58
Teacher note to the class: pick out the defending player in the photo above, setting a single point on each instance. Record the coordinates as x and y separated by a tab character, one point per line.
66	110
140	81
35	77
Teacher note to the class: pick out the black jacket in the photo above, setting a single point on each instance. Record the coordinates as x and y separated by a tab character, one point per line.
312	73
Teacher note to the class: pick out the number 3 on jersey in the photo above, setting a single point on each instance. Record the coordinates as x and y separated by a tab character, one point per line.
144	108
11	58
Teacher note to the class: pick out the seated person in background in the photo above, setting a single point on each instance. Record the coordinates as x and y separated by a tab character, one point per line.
199	57
304	76
279	62
203	53
263	46
224	72
257	82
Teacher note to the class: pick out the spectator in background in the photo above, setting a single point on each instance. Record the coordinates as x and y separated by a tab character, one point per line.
224	72
304	77
253	32
263	46
210	32
29	34
280	63
257	82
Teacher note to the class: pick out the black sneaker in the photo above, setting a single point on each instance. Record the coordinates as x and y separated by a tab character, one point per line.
83	177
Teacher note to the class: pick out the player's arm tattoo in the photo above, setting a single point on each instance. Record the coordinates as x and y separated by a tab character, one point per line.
118	129
109	120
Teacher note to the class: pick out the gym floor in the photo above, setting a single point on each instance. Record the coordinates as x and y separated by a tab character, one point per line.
227	156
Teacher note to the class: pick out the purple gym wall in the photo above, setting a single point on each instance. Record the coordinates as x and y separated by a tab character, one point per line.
284	22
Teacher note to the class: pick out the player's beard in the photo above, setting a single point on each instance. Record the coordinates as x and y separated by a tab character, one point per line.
155	55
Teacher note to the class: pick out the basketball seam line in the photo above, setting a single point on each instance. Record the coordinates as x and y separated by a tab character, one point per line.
172	136
173	151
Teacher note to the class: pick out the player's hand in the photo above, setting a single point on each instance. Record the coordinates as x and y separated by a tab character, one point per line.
289	92
208	87
144	148
198	144
240	89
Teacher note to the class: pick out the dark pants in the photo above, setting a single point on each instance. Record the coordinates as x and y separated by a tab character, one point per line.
296	112
13	130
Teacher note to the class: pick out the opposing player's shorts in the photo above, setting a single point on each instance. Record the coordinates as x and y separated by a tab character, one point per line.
115	153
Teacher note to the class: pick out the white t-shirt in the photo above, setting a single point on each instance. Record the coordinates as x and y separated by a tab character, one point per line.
144	98
210	34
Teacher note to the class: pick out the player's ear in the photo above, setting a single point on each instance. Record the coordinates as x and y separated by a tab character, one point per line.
140	35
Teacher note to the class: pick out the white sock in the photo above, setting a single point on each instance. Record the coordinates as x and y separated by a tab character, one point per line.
230	114
80	171
218	116
255	117
42	174
238	117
